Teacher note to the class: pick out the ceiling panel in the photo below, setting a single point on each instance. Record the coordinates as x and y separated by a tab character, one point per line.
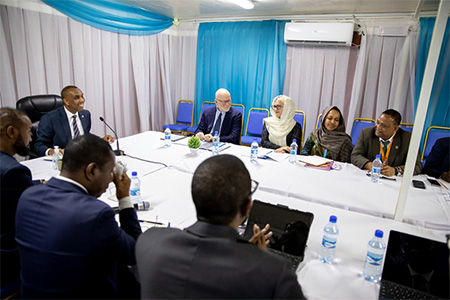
266	9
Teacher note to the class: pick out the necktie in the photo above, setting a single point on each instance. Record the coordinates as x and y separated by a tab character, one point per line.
385	146
217	125
76	131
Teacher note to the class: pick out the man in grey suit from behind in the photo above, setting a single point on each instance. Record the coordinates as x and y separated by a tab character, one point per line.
209	260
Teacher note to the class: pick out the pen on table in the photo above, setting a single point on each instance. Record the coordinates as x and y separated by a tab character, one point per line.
384	162
151	222
266	155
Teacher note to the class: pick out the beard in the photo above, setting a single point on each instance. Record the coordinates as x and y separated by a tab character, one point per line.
20	146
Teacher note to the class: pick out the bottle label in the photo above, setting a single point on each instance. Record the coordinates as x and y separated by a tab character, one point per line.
376	170
254	151
373	258
134	193
329	244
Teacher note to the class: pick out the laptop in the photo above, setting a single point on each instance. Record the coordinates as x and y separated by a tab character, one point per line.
290	229
415	268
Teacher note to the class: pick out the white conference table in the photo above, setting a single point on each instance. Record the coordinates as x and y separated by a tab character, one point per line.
360	206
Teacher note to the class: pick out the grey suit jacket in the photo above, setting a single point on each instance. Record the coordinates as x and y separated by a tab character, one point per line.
207	261
368	146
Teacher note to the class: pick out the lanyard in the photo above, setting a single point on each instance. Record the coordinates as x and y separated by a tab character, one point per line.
383	156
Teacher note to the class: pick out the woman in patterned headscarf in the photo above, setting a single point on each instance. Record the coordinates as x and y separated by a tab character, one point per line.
281	129
330	140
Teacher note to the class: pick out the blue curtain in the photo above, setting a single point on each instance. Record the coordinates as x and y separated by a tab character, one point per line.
246	58
439	107
113	16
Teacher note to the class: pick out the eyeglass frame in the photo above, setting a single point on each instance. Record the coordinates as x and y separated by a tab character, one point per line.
277	106
252	191
224	101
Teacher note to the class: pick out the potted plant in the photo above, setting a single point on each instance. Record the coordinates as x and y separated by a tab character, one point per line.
194	144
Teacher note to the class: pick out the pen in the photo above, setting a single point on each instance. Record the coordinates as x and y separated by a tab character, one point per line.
151	222
384	162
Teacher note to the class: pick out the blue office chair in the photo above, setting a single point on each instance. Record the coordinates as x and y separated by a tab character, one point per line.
254	126
358	124
241	109
299	117
184	117
318	121
406	126
433	134
205	105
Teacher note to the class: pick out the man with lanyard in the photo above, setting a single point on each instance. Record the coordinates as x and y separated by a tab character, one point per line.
388	140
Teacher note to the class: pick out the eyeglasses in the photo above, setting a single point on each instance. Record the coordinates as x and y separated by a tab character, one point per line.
254	187
277	107
224	101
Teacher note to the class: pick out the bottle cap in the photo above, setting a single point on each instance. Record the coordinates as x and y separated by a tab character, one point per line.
294	140
333	219
216	133
379	233
134	173
378	156
255	140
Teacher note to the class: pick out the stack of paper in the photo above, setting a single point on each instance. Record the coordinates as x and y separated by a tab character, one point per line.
317	162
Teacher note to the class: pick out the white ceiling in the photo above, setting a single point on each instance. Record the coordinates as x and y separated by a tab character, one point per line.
190	10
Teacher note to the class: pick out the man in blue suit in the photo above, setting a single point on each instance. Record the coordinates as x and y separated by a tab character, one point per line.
63	124
70	244
15	136
223	118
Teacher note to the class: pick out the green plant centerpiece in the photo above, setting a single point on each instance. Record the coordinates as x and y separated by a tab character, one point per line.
194	144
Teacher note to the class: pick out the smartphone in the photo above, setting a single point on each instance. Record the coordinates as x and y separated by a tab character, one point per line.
418	184
119	170
434	182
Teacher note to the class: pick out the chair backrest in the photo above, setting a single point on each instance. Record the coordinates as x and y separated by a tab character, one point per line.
37	106
358	124
185	112
318	121
406	126
433	134
299	117
255	121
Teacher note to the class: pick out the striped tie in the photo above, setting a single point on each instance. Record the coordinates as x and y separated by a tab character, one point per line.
76	131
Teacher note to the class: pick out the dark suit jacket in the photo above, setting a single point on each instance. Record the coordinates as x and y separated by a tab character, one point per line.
438	161
14	179
54	130
368	146
231	126
69	242
207	261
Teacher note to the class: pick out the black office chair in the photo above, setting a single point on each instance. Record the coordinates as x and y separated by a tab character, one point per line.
35	107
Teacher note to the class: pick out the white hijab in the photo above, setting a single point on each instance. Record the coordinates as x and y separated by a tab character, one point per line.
279	128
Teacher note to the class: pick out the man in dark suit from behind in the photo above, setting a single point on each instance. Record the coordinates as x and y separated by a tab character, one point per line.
438	161
70	244
388	140
209	260
223	118
15	136
57	127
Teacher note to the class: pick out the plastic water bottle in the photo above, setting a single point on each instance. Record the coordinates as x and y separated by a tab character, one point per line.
376	169
135	188
216	141
254	151
293	155
168	137
330	235
374	258
56	157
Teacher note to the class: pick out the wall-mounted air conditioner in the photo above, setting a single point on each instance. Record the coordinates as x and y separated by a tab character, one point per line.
334	34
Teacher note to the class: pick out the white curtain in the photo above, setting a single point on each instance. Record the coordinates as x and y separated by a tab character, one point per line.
133	82
385	72
362	82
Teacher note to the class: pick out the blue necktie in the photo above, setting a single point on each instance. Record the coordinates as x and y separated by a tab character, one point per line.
217	125
76	131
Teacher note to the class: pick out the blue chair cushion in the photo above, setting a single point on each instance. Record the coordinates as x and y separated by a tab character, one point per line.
248	140
191	129
176	127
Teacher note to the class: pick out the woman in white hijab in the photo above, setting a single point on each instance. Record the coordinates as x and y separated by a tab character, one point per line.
281	129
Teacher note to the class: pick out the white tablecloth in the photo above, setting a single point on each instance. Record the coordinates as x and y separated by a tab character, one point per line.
360	205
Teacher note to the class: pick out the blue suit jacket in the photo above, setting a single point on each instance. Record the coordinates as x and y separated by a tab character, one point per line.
231	126
70	244
14	179
438	161
54	130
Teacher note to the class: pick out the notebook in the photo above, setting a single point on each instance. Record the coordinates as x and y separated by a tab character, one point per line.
290	229
415	268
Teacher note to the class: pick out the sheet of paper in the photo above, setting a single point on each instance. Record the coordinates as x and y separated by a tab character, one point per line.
314	160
